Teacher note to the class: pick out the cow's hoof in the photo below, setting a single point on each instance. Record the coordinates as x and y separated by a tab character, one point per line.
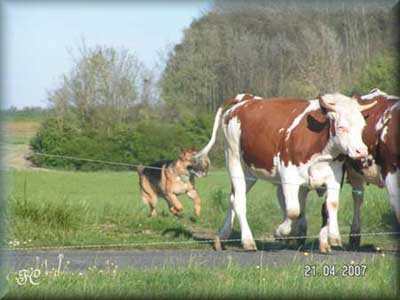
355	242
324	248
301	243
335	241
282	231
249	246
217	244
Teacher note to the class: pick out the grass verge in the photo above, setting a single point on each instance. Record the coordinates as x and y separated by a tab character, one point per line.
230	281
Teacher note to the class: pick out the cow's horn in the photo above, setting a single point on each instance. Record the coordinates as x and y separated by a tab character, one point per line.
367	106
326	105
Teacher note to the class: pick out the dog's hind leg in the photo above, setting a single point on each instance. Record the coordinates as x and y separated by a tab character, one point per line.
196	201
149	197
151	201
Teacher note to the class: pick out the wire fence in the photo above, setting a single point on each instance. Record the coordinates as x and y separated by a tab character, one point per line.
248	178
160	243
190	242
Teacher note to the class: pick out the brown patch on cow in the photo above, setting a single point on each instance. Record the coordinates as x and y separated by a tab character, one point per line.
261	139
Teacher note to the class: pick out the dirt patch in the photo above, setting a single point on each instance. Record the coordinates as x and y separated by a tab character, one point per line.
20	129
16	156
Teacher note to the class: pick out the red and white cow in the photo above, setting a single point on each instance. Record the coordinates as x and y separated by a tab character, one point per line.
284	140
382	137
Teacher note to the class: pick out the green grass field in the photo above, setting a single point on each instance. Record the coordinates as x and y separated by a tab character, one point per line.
57	208
231	281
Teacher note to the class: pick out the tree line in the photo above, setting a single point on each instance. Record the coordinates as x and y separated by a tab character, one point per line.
109	106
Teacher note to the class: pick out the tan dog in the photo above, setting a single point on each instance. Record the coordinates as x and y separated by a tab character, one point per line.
169	179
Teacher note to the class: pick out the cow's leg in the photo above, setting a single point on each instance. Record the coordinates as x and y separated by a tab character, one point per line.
290	195
393	187
192	194
298	226
226	229
358	197
324	246
329	234
286	223
238	201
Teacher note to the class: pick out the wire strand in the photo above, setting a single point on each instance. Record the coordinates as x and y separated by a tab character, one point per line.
249	178
205	241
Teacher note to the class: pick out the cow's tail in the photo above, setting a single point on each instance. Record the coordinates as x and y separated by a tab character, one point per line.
204	152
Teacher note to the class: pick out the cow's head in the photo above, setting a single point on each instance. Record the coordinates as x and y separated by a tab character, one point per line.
347	124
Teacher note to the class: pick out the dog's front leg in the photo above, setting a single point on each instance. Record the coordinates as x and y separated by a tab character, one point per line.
196	201
175	206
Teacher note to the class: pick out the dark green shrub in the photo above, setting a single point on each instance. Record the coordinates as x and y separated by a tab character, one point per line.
143	143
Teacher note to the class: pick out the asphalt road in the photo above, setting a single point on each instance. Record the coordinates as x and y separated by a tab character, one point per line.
81	260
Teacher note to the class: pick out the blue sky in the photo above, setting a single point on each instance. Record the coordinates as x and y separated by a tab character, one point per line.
37	36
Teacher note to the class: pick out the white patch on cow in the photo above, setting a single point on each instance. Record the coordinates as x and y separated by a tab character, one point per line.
373	93
314	105
393	188
232	132
336	98
347	115
383	120
280	130
239	97
377	92
257	98
396	106
383	133
226	113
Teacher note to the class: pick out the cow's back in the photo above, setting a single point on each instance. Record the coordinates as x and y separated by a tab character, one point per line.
280	127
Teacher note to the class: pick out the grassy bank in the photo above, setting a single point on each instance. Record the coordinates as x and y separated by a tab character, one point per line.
231	281
68	208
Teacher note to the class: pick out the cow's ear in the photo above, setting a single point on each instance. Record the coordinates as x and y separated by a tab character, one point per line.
318	116
317	120
193	148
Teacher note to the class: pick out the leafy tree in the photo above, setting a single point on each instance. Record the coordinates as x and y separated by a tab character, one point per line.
382	72
101	90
